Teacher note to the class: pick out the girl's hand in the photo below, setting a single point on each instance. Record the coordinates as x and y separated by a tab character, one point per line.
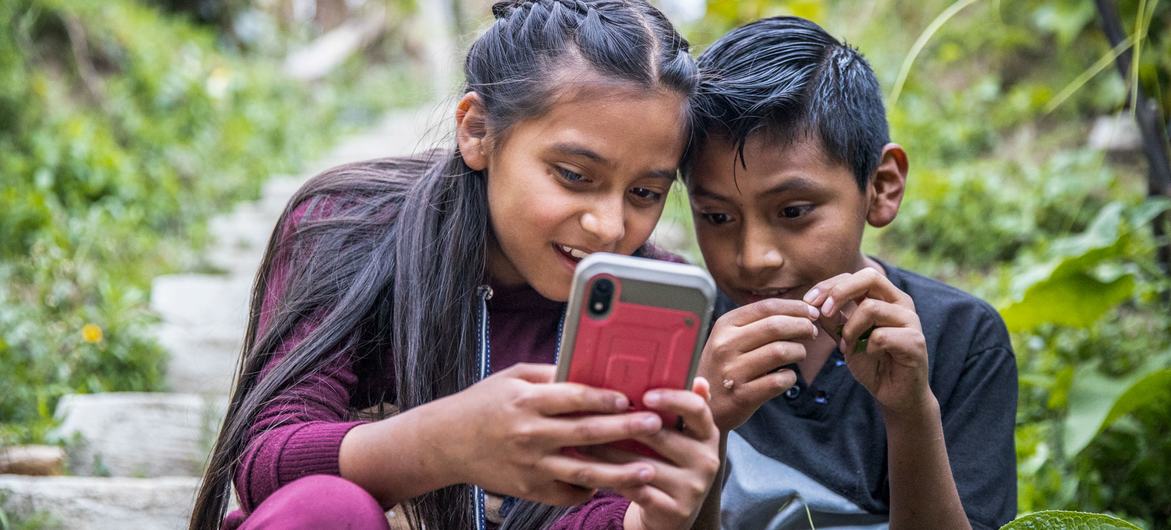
506	434
746	351
880	336
690	461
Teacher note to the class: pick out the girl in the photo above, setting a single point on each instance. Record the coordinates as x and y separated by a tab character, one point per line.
409	281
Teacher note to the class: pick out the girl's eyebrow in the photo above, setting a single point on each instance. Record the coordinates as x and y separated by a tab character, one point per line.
572	149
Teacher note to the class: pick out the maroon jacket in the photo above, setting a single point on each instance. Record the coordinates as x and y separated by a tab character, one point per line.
300	432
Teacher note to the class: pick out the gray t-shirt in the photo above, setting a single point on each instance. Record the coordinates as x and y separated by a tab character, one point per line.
822	447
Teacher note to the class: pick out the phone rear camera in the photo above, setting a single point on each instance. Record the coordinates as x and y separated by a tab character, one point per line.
600	297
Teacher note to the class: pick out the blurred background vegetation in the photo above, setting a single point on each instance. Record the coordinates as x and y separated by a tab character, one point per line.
124	124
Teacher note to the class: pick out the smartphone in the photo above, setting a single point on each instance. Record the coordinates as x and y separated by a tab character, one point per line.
633	325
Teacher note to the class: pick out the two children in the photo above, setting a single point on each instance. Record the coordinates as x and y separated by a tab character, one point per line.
848	390
412	281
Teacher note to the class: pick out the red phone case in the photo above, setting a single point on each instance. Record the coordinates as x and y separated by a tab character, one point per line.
634	349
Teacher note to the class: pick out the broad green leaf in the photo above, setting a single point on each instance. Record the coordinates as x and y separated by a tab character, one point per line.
1096	401
1073	288
1073	299
1066	520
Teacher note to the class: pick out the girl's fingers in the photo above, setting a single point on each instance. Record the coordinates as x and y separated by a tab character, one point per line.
531	372
692	408
597	429
555	399
655	501
597	474
559	494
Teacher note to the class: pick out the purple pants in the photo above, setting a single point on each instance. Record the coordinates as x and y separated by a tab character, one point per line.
316	501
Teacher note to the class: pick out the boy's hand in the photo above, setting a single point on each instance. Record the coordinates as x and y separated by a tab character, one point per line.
745	353
881	337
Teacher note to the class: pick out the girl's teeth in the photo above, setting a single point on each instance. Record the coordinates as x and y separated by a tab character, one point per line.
574	252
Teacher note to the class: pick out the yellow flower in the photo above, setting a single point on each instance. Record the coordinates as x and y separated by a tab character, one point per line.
91	333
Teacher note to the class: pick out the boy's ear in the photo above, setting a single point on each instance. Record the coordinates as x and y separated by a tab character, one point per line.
471	131
887	186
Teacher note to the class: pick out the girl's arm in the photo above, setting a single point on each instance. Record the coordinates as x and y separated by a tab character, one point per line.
505	434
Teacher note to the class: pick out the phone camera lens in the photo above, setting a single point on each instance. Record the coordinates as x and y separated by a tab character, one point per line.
600	297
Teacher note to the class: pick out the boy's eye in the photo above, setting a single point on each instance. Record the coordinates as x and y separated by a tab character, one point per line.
647	194
717	218
793	212
569	175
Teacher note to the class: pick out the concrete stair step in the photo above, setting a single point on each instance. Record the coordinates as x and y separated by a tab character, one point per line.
138	434
90	503
202	359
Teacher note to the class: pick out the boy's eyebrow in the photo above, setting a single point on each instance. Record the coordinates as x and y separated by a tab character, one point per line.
700	191
788	185
572	149
793	184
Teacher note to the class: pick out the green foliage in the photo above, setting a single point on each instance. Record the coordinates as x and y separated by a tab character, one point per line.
1065	520
123	130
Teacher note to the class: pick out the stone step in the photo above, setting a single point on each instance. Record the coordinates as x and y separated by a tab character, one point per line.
90	503
202	359
138	434
202	300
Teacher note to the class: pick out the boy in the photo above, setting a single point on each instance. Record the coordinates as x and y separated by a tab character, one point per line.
796	160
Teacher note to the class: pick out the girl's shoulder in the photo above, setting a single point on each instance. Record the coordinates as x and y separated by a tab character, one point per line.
659	253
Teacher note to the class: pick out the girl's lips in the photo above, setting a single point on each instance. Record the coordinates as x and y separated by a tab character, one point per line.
568	259
756	295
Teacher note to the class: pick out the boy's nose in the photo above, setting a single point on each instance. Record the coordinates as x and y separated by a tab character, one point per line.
759	255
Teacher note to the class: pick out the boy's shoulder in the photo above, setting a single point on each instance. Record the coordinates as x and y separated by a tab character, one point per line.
952	318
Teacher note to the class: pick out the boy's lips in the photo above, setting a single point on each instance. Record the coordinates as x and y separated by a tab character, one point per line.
761	293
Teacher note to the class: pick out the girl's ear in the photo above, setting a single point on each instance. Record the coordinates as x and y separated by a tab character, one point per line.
471	131
887	186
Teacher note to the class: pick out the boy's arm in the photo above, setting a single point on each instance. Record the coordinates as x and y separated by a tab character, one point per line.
886	352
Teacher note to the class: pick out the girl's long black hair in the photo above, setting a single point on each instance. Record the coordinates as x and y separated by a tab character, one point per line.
392	271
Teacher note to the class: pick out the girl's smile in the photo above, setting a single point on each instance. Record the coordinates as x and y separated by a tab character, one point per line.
589	175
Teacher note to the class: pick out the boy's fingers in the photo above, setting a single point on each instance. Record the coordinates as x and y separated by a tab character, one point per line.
744	315
771	329
764	360
761	389
866	283
872	314
897	342
817	294
554	399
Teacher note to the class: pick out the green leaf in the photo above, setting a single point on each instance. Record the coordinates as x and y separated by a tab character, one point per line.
1073	288
1064	520
1096	401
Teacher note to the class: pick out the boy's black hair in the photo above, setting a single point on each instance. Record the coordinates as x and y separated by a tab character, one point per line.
787	77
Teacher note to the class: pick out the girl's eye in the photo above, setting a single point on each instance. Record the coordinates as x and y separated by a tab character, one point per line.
647	194
568	175
716	218
794	212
